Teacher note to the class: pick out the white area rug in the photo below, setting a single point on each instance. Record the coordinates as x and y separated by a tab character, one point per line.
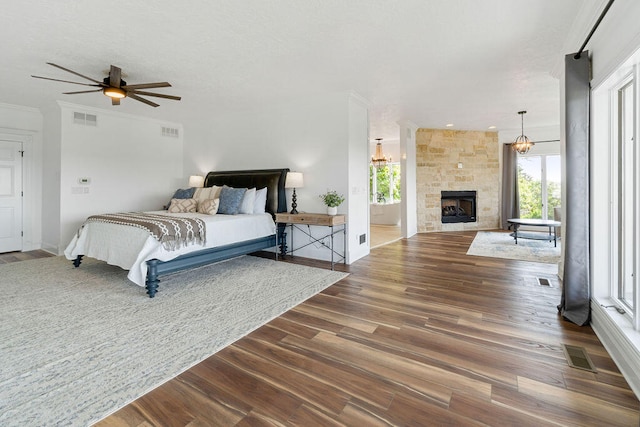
502	245
77	344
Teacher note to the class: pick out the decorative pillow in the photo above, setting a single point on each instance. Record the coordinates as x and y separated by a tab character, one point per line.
261	201
246	207
230	199
208	206
215	192
186	193
182	205
207	193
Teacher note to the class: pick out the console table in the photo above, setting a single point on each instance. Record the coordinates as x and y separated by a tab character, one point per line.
551	224
335	224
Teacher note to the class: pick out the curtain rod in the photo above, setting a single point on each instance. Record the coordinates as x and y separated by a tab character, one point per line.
536	142
548	140
593	30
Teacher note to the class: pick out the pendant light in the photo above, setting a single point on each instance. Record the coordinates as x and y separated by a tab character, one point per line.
522	144
379	160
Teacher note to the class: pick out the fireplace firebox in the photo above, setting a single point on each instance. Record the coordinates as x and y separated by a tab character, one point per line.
458	206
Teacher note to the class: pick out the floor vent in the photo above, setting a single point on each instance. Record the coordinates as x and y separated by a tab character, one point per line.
577	357
544	282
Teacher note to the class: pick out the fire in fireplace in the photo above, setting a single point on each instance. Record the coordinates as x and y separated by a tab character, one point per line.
458	206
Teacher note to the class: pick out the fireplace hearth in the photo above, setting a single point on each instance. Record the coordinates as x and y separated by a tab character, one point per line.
458	206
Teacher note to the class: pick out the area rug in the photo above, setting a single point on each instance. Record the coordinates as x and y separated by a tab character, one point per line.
502	245
78	344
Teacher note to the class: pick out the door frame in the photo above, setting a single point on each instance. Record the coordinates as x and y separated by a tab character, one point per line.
27	186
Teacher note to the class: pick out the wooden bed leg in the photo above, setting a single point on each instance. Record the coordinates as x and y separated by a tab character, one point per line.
77	261
152	277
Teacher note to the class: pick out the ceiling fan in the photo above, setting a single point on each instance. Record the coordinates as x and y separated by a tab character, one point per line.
115	88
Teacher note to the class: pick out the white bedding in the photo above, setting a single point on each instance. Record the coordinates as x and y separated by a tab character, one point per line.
130	247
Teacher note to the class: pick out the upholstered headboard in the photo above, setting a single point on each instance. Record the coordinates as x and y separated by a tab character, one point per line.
272	179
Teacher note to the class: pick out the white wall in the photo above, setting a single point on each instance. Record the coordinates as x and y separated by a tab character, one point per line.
409	205
26	124
358	167
312	136
130	164
617	37
51	180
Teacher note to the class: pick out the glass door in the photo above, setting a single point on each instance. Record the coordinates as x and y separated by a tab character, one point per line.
553	185
539	185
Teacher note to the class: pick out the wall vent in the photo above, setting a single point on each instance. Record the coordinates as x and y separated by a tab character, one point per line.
85	119
170	132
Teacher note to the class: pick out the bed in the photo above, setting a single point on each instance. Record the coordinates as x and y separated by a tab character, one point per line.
227	236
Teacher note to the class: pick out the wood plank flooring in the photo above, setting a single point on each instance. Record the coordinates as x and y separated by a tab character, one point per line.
8	257
380	235
419	334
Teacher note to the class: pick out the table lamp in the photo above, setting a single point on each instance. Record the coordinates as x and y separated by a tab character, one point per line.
294	180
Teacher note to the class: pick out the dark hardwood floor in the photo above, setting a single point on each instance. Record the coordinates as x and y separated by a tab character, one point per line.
418	334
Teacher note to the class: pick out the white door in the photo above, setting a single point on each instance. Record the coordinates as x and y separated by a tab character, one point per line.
10	196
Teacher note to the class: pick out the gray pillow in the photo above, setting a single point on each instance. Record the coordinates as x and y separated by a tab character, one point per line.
230	200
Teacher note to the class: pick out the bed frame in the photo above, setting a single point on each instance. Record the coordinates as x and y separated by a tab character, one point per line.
272	179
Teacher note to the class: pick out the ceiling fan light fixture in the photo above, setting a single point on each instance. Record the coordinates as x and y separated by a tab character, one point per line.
114	92
114	87
522	144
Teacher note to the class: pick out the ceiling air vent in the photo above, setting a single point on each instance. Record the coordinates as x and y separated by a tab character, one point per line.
85	119
171	132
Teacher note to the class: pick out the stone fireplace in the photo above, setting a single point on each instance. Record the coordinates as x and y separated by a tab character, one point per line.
458	206
457	161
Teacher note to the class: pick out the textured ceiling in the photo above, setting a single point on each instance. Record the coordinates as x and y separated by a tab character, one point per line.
467	62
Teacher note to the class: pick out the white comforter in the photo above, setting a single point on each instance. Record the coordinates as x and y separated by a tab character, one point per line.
130	247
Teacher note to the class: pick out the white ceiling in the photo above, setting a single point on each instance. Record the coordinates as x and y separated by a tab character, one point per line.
473	63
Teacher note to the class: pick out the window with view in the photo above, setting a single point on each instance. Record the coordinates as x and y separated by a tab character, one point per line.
539	185
384	183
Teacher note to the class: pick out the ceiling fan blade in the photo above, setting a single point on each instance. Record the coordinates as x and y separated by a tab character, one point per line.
115	101
137	98
115	75
82	91
147	85
159	95
67	81
73	72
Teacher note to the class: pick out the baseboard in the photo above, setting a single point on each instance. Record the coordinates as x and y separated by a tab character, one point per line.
52	249
621	348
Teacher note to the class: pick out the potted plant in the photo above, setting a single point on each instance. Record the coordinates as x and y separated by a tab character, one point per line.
332	200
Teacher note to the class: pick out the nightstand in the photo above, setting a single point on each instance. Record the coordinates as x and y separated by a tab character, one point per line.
335	224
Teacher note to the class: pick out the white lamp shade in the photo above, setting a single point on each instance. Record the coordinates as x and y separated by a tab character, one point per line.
196	181
294	180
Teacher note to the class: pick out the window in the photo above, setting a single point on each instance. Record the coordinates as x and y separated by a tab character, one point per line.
539	185
627	187
384	184
615	213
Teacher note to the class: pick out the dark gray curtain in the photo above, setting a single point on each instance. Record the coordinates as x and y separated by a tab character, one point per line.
574	304
510	197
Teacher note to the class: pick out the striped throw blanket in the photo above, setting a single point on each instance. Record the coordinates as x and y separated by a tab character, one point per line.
172	232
